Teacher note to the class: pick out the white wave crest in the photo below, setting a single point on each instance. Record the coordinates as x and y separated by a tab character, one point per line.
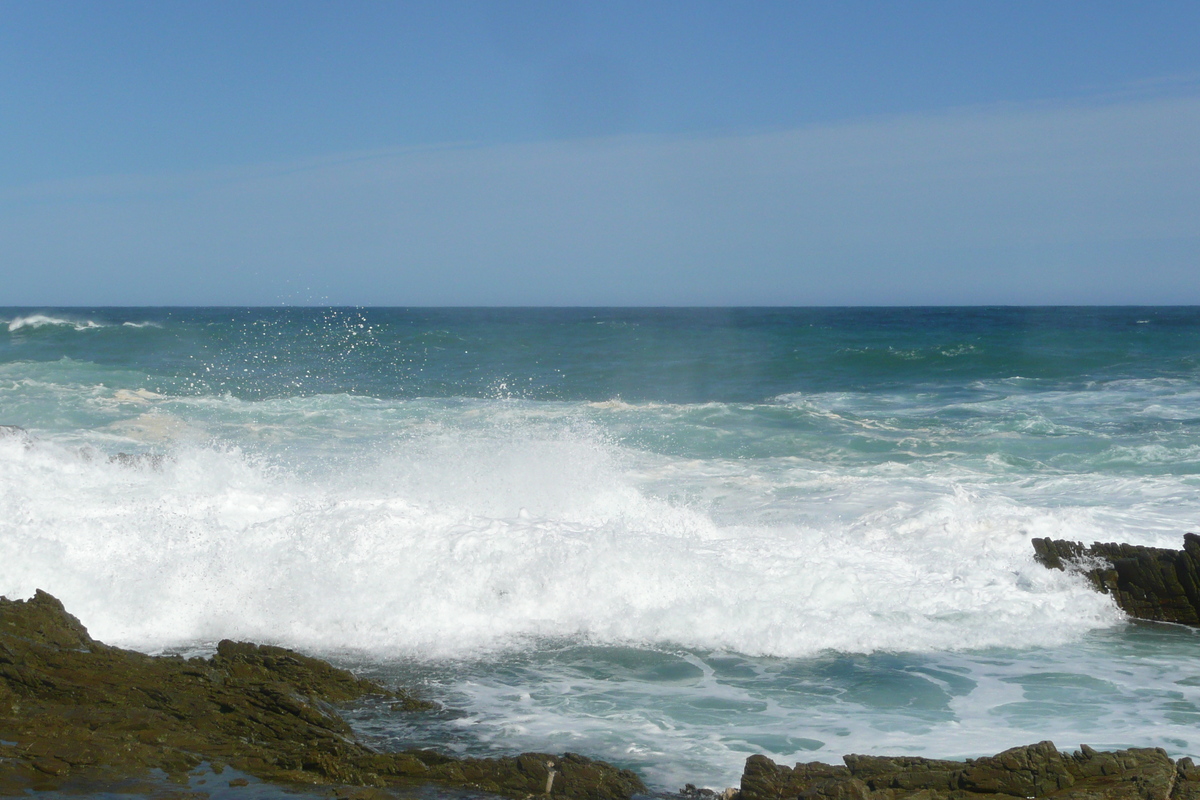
44	320
35	321
462	542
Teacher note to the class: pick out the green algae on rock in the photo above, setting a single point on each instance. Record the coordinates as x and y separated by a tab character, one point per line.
1033	771
76	710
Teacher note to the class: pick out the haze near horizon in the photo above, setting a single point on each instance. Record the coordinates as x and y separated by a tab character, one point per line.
617	154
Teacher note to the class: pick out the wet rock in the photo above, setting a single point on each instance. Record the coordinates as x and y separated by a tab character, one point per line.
72	708
16	432
1036	770
1033	771
1149	583
152	461
763	779
691	792
43	620
1187	781
904	773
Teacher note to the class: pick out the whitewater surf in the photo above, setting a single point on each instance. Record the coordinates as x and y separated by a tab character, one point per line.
664	538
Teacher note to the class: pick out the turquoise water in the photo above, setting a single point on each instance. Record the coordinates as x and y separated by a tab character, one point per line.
668	538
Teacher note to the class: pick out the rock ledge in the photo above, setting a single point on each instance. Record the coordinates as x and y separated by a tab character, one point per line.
1033	771
1149	583
76	712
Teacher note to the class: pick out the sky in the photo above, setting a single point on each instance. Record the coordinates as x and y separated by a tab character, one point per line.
607	153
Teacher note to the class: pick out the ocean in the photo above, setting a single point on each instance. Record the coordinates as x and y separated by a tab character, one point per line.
667	538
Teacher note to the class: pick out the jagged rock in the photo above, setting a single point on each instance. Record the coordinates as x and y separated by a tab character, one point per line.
1037	770
763	779
691	792
1187	781
1031	771
1149	583
80	710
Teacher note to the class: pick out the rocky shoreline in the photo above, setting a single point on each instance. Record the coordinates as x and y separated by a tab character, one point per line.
76	713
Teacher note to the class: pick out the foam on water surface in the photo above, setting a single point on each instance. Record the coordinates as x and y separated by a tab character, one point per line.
514	524
671	580
690	716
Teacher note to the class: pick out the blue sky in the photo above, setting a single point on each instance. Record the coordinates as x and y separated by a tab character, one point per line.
602	153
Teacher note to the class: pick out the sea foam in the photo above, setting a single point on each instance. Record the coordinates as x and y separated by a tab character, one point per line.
667	543
489	534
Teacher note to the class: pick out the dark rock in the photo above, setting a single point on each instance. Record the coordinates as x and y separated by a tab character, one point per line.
691	792
44	620
1187	781
79	710
1038	770
153	461
763	779
1141	773
904	773
1032	771
1146	582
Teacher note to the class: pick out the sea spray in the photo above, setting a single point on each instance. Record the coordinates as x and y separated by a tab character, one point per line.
477	538
666	538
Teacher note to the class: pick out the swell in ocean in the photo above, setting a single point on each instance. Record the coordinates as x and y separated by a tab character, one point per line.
662	538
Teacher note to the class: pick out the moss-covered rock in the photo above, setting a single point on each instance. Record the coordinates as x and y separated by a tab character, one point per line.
76	712
1033	771
73	709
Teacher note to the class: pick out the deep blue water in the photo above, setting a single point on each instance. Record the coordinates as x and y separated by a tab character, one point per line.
639	355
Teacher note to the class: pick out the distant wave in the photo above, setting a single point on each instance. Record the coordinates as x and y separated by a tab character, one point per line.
34	321
43	320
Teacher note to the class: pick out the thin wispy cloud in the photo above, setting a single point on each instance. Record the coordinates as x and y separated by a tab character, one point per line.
1017	200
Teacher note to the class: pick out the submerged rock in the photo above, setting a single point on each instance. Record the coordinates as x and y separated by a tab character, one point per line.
152	461
1149	583
1033	771
16	432
76	711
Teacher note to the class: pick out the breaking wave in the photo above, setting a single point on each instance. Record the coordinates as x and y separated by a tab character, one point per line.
492	529
34	321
